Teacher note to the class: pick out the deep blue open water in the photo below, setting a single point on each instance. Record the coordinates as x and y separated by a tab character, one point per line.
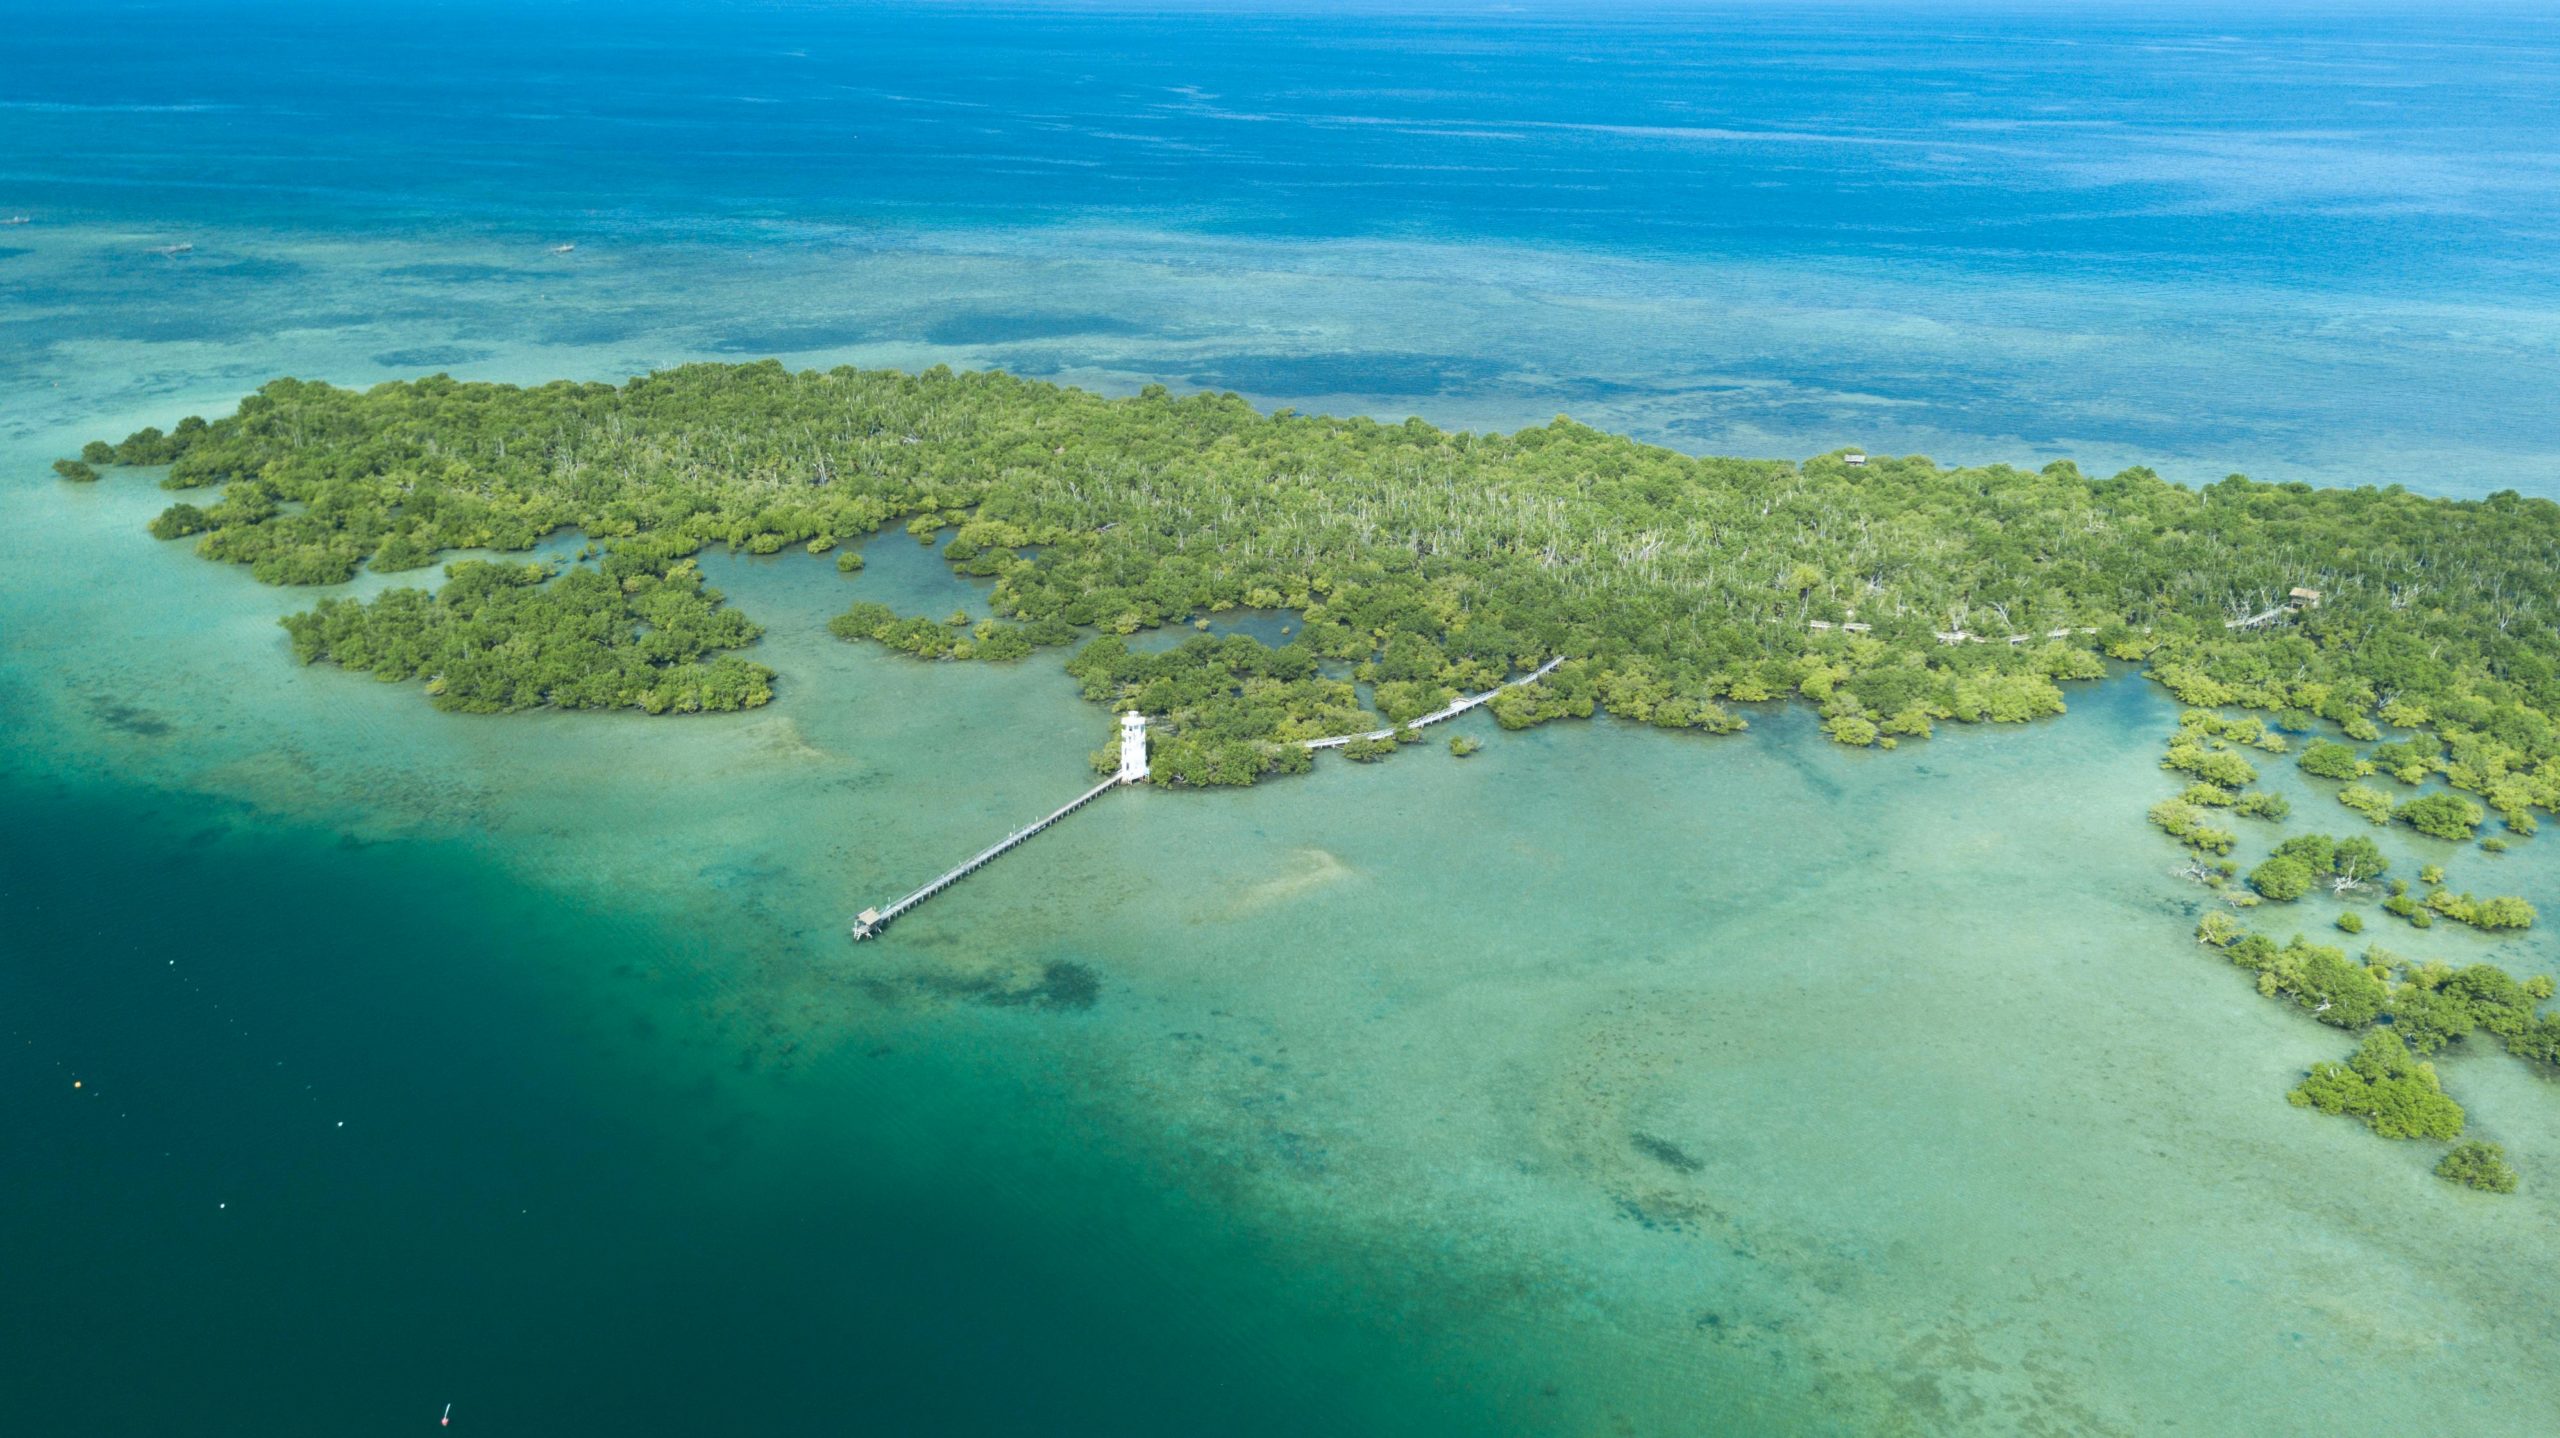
2296	240
2320	148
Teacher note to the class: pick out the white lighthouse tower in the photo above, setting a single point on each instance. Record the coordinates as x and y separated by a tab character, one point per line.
1133	748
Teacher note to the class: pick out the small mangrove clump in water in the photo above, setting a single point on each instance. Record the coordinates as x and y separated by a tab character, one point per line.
952	638
2258	804
2186	823
2305	861
2478	1165
2442	816
2396	1095
2282	878
2331	760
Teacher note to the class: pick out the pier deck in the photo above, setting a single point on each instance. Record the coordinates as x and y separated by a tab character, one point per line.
1133	770
873	921
1451	710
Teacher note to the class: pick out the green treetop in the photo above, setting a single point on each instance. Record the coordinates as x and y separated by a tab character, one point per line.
2396	1094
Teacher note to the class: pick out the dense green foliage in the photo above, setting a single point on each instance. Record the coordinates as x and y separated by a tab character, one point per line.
2440	1005
2381	1084
1678	584
2407	905
2444	816
2478	1165
2305	860
1235	708
77	471
2406	760
2338	992
2503	912
499	637
2187	824
2281	878
2217	767
927	639
2262	805
2219	930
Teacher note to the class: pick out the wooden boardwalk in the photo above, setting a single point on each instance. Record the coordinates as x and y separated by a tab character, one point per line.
1450	710
2255	621
873	921
1133	770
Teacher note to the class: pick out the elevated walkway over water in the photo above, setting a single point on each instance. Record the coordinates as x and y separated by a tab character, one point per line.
1450	710
1133	770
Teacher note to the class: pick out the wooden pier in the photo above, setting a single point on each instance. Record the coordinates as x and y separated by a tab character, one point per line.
1451	710
2296	602
872	921
1132	770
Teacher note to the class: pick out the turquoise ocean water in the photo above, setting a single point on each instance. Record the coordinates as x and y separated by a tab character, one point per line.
1607	1082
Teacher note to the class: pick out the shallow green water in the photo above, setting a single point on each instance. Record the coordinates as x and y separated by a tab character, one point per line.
1606	1081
